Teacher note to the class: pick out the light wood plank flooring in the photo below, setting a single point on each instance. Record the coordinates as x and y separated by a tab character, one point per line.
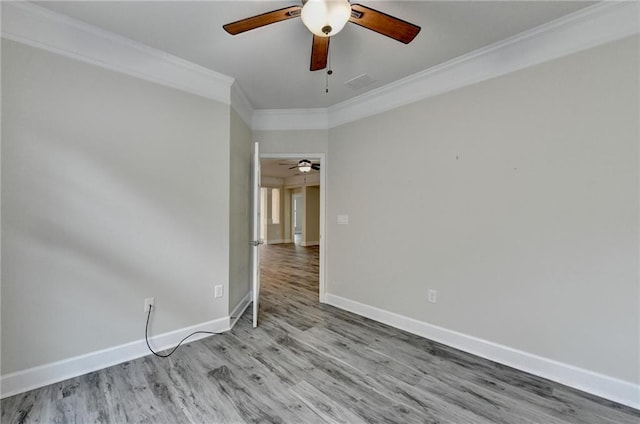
310	363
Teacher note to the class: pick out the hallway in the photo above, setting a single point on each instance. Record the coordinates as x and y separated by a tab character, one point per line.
289	280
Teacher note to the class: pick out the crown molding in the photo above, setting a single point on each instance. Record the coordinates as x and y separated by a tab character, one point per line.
590	27
290	119
241	104
39	27
598	24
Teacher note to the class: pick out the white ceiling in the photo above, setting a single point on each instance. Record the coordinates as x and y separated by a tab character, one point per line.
271	64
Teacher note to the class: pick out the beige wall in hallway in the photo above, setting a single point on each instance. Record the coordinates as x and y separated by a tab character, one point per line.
311	221
274	225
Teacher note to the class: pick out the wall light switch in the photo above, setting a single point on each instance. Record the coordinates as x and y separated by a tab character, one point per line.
343	219
218	291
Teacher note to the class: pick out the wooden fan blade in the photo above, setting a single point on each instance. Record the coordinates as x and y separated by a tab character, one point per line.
384	24
319	53
258	21
316	167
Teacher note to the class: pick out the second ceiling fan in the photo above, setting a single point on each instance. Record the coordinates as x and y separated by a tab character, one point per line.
325	18
304	165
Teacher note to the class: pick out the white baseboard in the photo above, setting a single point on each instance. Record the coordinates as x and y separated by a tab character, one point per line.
620	391
238	311
43	375
310	243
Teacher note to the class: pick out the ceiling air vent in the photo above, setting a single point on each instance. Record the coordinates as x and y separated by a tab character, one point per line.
360	81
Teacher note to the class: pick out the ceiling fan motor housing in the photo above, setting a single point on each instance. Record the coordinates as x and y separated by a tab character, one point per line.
325	18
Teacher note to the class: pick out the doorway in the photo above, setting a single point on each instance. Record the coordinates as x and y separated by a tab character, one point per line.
299	194
297	217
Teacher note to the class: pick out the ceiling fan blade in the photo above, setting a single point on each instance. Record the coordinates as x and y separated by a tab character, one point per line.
293	167
316	167
258	21
319	53
384	24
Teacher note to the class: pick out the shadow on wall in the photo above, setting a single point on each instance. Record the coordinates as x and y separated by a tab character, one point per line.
82	233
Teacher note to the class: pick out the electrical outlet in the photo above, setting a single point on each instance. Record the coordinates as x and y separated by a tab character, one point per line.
148	302
432	296
218	291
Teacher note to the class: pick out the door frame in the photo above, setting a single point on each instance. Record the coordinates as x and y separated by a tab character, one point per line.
322	157
256	219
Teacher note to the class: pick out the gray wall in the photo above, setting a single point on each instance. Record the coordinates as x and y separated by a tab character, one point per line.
240	211
113	190
299	141
515	198
311	221
273	232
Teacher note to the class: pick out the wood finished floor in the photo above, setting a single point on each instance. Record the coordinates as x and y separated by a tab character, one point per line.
310	363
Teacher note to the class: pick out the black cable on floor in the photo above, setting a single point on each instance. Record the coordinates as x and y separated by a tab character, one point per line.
146	337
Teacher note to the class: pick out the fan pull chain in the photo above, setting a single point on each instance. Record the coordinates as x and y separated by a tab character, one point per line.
329	70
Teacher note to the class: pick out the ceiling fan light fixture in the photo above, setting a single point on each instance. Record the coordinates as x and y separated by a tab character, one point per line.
304	166
325	18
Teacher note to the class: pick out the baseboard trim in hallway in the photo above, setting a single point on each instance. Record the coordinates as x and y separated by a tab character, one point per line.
601	385
43	375
239	310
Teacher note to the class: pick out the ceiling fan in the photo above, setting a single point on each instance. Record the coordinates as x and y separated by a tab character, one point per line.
304	166
325	18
